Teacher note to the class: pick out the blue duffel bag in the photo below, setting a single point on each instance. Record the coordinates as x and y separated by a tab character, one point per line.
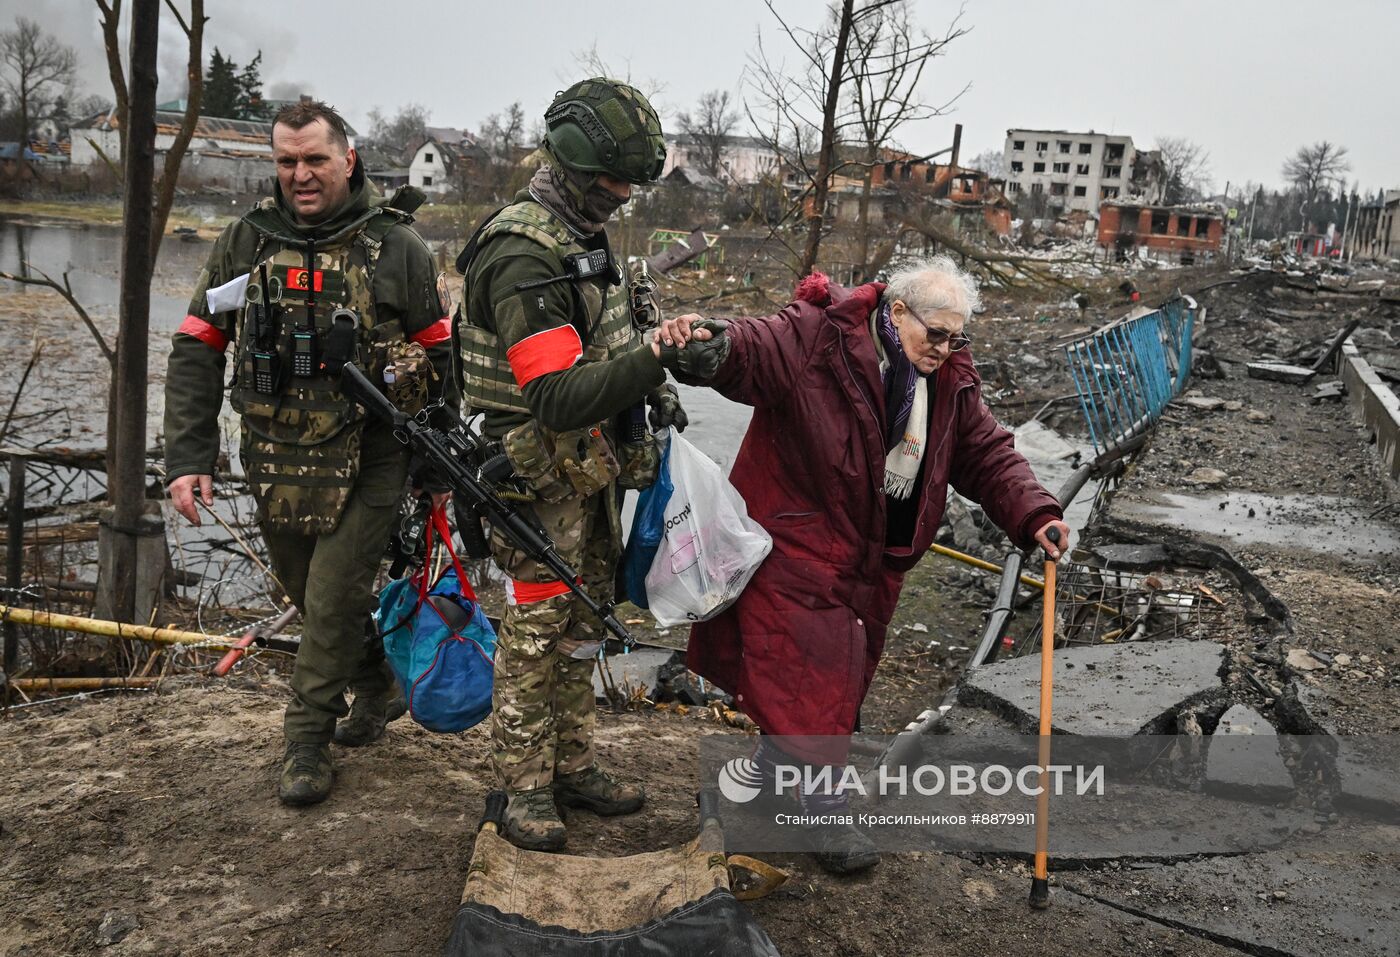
438	641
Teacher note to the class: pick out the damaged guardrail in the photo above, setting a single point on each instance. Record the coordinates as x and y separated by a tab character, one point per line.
1127	372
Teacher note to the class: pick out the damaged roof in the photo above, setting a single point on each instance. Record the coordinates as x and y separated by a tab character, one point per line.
208	127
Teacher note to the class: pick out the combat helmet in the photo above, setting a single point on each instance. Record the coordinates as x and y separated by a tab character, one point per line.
605	126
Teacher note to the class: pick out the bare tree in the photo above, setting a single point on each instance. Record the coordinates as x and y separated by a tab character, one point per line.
858	82
710	126
1185	169
38	73
888	57
193	27
1312	168
784	106
992	162
1311	171
406	129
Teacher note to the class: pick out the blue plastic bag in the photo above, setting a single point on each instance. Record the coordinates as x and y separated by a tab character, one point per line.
648	528
438	642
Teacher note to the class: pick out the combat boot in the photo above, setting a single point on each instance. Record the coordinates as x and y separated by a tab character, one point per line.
532	820
842	848
593	789
368	716
307	774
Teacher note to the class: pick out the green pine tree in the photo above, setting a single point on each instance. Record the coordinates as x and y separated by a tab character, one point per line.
250	100
221	87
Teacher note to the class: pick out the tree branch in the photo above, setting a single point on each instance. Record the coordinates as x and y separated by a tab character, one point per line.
66	291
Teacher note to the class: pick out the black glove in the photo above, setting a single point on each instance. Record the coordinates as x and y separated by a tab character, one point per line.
666	409
700	360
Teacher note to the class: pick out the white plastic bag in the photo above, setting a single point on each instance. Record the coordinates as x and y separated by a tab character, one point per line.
710	548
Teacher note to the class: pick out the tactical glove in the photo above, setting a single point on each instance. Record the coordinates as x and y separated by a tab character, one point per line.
700	360
666	409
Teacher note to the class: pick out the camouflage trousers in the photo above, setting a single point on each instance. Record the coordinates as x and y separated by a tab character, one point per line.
542	702
331	579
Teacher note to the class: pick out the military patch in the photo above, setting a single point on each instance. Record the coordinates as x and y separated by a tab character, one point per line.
444	297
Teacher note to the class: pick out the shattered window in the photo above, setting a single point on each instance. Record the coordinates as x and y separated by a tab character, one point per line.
1042	145
1202	227
1183	225
1062	167
1018	144
1114	153
1037	188
1112	172
1159	223
1038	168
1017	166
1081	190
1057	189
1085	149
1082	169
1064	146
1108	192
928	174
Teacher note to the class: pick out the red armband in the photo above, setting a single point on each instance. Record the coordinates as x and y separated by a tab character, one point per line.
205	331
438	332
550	351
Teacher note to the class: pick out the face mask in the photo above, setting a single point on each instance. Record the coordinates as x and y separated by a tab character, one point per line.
600	203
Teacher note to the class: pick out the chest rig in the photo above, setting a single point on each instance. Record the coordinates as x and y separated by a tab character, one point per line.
300	435
602	315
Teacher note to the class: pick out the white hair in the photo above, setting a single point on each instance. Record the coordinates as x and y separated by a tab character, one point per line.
933	285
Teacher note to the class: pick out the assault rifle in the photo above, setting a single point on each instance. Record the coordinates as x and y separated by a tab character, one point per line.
464	463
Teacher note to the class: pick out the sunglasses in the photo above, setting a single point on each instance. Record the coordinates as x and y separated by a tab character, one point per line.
937	337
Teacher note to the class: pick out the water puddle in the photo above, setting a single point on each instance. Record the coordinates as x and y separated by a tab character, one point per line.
1319	523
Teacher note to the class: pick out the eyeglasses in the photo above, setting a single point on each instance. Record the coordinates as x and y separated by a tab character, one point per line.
937	337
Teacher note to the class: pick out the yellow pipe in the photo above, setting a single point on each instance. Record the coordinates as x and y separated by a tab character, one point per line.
979	563
79	684
109	629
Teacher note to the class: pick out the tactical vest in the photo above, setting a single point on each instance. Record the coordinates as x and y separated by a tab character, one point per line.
301	441
487	379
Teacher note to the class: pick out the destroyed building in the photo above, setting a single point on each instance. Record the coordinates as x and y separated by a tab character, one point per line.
1376	233
1181	233
1078	171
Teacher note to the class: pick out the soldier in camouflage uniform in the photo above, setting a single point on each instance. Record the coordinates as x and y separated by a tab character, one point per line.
552	354
326	488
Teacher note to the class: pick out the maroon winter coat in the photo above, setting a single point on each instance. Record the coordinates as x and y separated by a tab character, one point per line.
800	646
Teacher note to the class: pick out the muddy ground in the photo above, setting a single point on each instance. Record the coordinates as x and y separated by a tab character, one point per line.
146	824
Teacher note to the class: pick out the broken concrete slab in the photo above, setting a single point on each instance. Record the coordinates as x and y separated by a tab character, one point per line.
1107	690
1331	903
638	669
1328	391
1205	403
1243	758
1279	372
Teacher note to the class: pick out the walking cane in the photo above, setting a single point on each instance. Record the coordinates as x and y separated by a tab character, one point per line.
1040	882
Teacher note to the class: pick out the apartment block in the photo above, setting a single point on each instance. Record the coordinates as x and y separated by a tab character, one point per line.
1077	171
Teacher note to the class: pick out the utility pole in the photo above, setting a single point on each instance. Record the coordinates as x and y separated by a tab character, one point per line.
127	483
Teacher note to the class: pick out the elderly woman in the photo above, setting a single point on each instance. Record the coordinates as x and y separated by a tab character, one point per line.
867	407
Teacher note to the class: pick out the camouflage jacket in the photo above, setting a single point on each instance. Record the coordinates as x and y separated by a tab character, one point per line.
403	295
537	335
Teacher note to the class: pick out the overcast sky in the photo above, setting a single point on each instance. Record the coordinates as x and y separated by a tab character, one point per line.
1250	80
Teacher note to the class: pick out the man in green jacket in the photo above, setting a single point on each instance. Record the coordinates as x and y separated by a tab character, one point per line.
321	273
552	354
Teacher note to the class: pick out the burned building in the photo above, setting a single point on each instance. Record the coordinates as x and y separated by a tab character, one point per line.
1376	232
1184	233
1078	171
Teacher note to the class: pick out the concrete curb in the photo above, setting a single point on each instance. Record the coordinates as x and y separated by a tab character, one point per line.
1376	404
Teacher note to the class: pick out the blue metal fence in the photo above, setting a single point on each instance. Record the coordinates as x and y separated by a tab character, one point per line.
1127	372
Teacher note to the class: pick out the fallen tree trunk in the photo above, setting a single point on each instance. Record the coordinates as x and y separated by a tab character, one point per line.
1011	271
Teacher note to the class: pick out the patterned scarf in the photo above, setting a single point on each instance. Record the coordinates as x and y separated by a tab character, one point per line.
549	189
906	410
